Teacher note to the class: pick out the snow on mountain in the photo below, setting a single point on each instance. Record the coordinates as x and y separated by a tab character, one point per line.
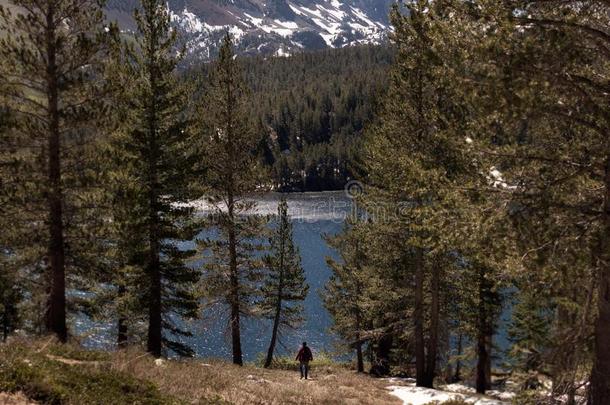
272	27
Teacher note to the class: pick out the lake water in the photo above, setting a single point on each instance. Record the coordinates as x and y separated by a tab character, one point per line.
313	215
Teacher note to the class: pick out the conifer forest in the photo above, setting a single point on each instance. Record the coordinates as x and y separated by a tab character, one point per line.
471	145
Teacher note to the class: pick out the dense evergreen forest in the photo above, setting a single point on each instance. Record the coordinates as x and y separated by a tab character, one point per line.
311	110
481	148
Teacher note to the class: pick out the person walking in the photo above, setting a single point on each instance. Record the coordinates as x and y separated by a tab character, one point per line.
304	357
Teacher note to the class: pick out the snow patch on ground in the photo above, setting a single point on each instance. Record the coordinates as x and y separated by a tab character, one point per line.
412	395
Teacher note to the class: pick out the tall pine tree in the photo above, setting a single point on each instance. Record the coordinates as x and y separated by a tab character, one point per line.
343	294
284	286
155	165
51	52
413	156
233	171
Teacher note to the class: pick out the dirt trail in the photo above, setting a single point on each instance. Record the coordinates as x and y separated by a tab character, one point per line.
73	362
15	399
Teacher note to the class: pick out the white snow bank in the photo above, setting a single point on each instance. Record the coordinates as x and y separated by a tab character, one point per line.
421	396
412	395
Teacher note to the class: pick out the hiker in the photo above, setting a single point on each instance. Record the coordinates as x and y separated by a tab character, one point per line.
304	357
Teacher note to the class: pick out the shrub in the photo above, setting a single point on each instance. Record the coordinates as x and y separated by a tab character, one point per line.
529	397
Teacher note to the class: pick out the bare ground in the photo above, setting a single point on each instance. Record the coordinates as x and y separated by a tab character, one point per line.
14	399
196	381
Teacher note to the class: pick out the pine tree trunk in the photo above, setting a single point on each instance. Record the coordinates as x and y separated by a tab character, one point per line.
434	322
235	313
358	297
359	359
121	340
5	324
488	342
56	308
235	320
278	305
154	321
121	324
382	356
483	337
600	376
458	365
155	326
276	319
234	280
482	358
276	324
418	315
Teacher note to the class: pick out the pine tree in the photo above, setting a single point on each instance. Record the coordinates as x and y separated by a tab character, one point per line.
152	148
529	329
284	285
542	111
232	172
413	154
51	54
344	293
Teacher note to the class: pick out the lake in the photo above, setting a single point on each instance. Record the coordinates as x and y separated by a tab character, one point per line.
313	215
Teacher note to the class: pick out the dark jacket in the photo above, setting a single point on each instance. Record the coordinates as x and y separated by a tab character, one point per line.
304	354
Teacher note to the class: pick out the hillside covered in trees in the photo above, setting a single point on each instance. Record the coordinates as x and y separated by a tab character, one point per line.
311	110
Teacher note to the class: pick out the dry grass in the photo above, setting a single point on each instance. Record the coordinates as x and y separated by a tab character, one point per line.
69	372
197	381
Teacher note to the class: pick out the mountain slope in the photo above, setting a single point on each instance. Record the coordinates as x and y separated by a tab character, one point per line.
270	27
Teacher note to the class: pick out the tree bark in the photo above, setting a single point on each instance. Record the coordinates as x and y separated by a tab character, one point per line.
434	322
359	358
121	340
155	322
155	326
381	363
482	359
121	324
5	324
489	343
600	376
358	316
484	333
276	322
56	307
234	281
458	365
278	309
235	323
418	315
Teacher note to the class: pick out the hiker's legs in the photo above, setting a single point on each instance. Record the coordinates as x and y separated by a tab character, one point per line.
306	367
301	368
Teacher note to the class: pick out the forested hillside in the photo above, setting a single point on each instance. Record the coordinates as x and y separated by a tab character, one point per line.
310	110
